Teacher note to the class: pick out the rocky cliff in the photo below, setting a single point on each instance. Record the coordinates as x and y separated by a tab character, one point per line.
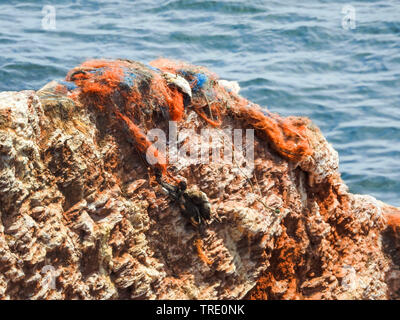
82	215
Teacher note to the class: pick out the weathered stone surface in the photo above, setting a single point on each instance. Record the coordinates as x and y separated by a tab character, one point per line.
80	218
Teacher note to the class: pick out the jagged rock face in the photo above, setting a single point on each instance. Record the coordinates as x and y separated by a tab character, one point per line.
82	218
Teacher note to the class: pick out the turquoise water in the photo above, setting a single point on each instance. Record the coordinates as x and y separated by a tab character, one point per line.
293	57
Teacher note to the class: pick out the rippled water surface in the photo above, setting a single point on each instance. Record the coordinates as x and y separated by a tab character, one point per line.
293	57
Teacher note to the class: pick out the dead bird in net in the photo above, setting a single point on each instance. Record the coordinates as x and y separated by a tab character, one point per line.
194	204
135	97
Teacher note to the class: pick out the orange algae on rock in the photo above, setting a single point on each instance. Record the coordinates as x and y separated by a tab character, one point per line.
200	252
281	279
393	220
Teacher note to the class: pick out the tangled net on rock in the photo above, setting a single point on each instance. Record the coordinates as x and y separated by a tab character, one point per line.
134	93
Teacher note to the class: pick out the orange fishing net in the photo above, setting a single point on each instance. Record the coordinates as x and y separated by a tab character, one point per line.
131	92
287	135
